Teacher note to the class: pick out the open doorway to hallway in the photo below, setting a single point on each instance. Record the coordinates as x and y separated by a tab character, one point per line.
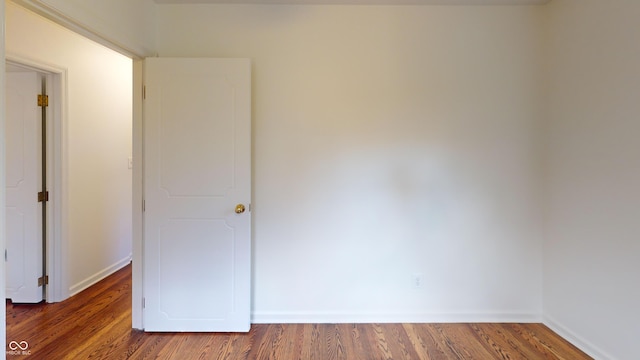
94	150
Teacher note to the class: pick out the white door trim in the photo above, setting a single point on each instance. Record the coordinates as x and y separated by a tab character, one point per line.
57	289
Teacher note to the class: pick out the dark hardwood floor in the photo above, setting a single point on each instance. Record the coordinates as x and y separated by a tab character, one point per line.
96	324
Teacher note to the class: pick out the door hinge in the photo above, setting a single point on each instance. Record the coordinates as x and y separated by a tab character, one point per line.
44	280
43	196
144	93
43	100
144	303
144	205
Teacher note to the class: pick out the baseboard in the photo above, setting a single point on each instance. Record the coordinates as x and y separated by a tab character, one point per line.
86	283
579	342
337	317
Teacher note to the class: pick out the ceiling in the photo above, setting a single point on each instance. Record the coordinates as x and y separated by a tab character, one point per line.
360	2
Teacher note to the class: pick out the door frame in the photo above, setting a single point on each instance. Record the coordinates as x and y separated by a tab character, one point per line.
56	160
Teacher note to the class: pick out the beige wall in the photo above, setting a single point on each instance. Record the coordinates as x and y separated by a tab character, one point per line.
97	205
592	246
389	141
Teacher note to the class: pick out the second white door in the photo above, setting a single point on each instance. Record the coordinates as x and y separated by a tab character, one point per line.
23	182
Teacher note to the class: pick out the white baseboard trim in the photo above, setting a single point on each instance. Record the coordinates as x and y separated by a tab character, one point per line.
582	344
91	280
338	317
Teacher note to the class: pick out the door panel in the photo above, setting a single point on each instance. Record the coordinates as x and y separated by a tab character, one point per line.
197	167
212	258
23	181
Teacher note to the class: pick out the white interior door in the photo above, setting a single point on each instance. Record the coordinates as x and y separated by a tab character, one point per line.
197	169
23	182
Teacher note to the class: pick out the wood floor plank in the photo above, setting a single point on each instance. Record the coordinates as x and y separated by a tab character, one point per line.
381	343
493	340
526	339
444	334
463	336
424	342
96	324
312	342
399	342
552	343
356	347
231	346
336	342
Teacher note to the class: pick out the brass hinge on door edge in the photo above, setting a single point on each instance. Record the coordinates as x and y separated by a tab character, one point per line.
43	100
44	280
43	196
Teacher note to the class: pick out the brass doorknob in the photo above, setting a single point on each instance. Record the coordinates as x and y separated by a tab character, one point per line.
239	209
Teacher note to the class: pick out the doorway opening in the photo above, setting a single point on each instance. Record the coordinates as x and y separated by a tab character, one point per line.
91	235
